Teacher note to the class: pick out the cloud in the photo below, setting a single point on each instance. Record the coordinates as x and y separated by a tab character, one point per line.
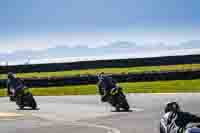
11	46
121	44
190	44
116	47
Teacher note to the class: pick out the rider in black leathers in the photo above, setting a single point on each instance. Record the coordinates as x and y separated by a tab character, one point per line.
175	121
14	84
105	85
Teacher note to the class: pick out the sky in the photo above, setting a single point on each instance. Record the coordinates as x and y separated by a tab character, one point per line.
41	24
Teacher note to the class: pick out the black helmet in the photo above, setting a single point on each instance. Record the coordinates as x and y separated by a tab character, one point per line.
11	75
172	106
101	75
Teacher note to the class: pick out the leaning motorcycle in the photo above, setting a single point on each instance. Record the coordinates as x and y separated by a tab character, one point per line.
118	100
193	128
190	128
25	99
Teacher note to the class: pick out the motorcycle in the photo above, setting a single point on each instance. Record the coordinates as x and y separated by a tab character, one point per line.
193	128
190	128
118	100
24	98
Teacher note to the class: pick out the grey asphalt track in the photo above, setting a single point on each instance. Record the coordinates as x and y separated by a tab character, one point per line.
86	114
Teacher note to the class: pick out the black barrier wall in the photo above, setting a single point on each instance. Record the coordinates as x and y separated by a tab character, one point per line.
91	79
156	61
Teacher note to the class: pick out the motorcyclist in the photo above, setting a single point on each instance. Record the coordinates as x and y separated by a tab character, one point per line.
15	86
105	85
175	121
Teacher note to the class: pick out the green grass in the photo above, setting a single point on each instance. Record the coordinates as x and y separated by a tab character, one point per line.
139	87
2	92
108	70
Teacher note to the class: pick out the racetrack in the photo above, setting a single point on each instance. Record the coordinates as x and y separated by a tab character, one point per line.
85	114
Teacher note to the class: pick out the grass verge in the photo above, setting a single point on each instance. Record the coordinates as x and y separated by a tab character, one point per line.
139	87
108	70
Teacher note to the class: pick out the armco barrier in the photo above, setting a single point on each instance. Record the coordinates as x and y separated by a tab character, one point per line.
91	79
52	67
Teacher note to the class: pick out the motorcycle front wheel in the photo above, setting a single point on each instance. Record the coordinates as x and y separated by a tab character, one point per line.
123	102
33	104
